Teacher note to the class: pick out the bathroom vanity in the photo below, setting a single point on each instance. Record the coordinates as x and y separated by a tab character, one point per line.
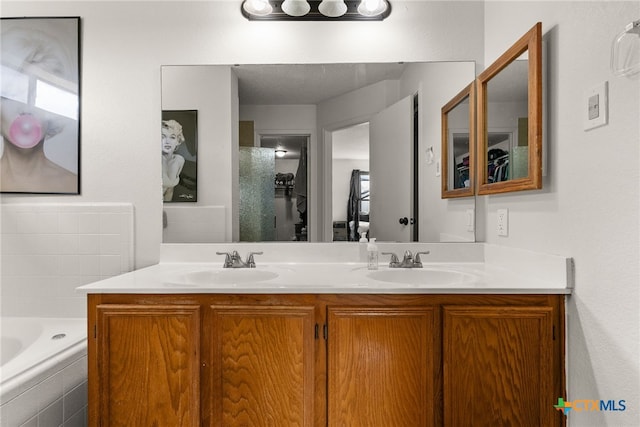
316	344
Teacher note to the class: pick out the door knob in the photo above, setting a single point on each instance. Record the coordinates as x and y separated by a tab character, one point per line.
404	220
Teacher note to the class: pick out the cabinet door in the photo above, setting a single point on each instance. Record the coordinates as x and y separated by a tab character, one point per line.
148	365
498	366
380	366
261	365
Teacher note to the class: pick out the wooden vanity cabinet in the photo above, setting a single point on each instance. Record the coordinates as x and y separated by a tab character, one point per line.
380	366
325	360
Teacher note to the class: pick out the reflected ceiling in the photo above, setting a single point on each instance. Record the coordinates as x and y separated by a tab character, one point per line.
284	84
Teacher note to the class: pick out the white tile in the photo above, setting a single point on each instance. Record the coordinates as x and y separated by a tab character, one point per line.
68	244
79	419
89	244
75	400
70	265
89	223
52	415
47	223
33	422
68	223
111	223
30	265
43	244
109	265
110	244
49	391
21	409
14	244
75	374
89	265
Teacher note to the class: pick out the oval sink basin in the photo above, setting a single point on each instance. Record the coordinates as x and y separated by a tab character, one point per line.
421	276
228	276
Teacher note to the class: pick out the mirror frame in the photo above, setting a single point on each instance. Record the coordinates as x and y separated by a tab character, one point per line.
468	91
531	42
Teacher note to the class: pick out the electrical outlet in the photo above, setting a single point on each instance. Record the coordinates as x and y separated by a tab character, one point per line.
438	168
503	222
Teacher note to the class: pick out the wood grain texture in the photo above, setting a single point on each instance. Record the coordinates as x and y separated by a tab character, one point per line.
531	42
149	365
380	366
262	367
498	366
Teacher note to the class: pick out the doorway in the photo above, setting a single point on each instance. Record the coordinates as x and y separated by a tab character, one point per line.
290	183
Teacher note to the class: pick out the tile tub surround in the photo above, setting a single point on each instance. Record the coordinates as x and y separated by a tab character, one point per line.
60	399
47	250
340	268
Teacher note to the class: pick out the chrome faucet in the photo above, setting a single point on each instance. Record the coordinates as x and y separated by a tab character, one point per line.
234	260
408	261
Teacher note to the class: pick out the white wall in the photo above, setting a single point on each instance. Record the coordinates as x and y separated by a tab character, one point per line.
439	219
589	206
208	90
125	44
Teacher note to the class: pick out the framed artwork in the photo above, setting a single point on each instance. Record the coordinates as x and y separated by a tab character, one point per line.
40	105
180	155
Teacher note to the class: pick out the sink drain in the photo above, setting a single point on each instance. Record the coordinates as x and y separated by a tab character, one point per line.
58	336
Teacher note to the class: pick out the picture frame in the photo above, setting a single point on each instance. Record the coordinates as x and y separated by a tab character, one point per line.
40	105
180	166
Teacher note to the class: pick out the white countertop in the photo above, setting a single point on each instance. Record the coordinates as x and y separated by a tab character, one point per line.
327	277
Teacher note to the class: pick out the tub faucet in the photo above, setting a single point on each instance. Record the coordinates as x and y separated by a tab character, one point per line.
408	261
233	260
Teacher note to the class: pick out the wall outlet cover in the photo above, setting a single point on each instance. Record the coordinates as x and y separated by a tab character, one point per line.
596	106
502	222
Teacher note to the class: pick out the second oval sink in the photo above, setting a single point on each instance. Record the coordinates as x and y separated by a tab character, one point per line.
421	276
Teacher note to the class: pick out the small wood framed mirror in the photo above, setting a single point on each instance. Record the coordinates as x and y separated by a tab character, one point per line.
458	144
509	99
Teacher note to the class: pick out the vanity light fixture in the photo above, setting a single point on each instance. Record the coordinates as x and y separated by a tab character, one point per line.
280	152
316	10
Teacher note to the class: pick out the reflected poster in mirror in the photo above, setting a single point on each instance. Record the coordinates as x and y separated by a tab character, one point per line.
179	155
40	105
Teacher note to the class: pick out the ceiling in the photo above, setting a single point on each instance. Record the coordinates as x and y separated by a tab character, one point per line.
287	84
306	84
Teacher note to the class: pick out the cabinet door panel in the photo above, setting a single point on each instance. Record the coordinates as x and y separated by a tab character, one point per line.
380	366
262	365
498	366
149	365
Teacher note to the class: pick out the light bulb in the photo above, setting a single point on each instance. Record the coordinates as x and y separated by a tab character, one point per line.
295	7
372	7
257	7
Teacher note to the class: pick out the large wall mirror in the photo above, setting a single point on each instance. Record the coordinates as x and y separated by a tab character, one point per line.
509	94
326	152
458	144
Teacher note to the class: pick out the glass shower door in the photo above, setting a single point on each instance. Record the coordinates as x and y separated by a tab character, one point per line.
257	202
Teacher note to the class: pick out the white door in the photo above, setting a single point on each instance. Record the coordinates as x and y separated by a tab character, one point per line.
391	172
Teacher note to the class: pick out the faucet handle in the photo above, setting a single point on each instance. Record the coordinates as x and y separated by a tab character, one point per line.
250	261
227	259
417	262
393	262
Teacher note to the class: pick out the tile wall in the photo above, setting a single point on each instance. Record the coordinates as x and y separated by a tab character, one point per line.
47	250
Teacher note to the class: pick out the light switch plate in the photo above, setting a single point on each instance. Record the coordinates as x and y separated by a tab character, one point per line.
596	106
502	222
471	221
438	168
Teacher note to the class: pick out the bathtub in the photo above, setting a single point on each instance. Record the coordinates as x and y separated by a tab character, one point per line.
43	371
